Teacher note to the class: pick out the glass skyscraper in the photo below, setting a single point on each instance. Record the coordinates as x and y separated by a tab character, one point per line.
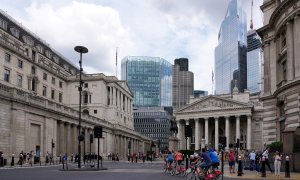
231	52
254	62
150	79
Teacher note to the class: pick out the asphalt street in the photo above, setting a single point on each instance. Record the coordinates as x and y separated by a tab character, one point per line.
116	171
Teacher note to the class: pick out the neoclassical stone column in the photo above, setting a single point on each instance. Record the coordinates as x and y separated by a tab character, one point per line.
290	51
187	122
249	132
61	138
180	134
216	132
297	45
206	130
114	96
238	128
227	131
74	139
68	139
197	134
121	95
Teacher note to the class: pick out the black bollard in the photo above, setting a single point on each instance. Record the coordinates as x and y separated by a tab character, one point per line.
287	167
240	168
263	167
12	160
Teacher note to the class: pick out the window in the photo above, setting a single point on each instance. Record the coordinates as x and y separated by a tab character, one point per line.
85	98
40	49
33	56
283	40
52	94
33	70
60	96
6	75
95	111
284	70
7	57
86	85
60	84
20	64
45	91
3	24
28	40
15	32
53	80
19	80
45	76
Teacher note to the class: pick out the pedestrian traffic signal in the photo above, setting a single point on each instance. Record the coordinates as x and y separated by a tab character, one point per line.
188	131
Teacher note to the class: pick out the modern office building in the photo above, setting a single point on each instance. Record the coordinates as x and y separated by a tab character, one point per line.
39	101
154	122
231	52
200	93
254	62
150	79
182	83
281	96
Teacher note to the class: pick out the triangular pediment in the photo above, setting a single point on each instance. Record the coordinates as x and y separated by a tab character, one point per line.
213	103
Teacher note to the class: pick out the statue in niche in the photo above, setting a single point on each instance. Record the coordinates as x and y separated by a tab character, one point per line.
173	128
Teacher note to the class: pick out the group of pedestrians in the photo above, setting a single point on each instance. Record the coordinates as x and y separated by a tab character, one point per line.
254	161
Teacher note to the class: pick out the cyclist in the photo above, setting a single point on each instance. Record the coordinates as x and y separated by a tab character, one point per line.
214	158
170	158
179	157
207	162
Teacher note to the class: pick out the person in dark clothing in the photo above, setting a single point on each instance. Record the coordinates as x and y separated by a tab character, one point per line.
266	156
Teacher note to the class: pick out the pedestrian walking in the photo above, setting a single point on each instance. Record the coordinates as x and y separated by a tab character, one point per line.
266	156
277	163
231	161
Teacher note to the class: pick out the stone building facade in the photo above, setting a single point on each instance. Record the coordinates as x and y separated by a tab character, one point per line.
235	116
281	98
39	100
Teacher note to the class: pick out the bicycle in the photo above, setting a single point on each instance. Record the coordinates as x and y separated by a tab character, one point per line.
179	170
168	168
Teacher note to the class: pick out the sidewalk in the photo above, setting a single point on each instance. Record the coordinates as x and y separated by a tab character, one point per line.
254	175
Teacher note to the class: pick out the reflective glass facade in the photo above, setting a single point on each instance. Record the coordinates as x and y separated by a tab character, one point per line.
231	52
254	62
150	79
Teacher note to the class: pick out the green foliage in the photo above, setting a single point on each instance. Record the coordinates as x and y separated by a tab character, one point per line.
276	146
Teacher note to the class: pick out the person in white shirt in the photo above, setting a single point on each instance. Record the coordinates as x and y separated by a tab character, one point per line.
266	156
252	156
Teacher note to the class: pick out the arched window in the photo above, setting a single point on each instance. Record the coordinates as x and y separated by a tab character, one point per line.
86	112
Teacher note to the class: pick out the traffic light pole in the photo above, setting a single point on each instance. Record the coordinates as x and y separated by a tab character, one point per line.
187	156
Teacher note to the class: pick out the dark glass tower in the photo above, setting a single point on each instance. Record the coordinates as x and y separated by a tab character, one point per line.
231	52
254	62
150	79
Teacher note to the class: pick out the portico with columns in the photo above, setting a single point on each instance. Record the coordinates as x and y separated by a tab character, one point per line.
212	117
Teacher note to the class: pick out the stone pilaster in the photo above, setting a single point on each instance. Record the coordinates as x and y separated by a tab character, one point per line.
238	128
227	131
206	131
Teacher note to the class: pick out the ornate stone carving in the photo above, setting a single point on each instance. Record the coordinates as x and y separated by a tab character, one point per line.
213	104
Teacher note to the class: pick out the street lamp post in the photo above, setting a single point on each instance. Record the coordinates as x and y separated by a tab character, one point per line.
80	49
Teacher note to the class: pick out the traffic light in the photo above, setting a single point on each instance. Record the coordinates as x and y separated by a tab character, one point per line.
98	131
91	138
237	143
53	145
188	131
223	140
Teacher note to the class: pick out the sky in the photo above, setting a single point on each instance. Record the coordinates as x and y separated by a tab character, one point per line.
168	29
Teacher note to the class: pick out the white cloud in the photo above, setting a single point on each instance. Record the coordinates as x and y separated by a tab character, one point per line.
165	28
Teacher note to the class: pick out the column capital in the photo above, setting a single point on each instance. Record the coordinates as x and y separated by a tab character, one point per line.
226	117
237	116
216	118
248	115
